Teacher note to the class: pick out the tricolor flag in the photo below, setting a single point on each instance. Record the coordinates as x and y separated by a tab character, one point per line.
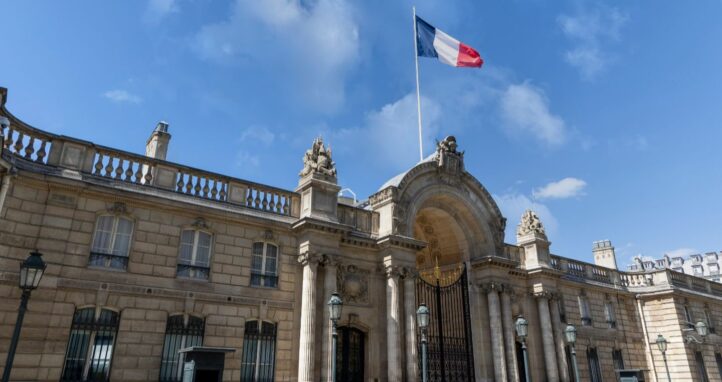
431	42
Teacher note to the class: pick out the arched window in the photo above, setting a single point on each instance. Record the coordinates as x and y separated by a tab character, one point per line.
181	331
111	242
91	344
194	260
259	352
264	265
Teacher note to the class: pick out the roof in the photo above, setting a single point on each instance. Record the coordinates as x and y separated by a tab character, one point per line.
396	180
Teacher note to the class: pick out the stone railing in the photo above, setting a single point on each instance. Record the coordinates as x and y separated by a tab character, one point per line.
575	269
30	144
358	218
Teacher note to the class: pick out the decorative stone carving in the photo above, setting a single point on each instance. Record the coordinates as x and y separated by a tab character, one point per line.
530	223
448	145
118	208
200	223
353	284
318	160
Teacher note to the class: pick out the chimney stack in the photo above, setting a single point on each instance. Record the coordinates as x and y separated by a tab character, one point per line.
157	144
604	254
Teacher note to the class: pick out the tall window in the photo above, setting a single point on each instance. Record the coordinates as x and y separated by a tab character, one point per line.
91	343
111	242
562	310
710	321
584	311
718	359
259	352
264	265
180	332
701	369
688	317
617	359
609	314
195	254
595	372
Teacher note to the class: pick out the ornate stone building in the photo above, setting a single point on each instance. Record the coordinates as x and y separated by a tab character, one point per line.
146	257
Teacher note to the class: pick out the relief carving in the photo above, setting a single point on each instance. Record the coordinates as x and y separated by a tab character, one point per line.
353	284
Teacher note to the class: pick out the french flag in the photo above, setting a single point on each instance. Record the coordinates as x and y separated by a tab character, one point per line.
431	42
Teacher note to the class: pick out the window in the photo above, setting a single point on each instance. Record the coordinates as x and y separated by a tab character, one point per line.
595	372
181	331
562	310
111	242
697	270
701	369
718	359
688	318
714	269
90	347
259	352
584	311
195	254
710	322
609	315
617	359
264	265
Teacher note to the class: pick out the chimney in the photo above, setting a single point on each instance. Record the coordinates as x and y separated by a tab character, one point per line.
604	254
157	145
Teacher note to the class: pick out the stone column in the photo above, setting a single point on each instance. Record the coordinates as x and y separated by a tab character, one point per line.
329	286
307	339
412	359
547	333
497	338
393	326
509	335
558	327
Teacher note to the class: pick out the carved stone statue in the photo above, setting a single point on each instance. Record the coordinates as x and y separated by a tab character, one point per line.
318	160
448	145
530	223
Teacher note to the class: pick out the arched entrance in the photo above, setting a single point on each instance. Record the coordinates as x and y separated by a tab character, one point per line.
350	355
442	286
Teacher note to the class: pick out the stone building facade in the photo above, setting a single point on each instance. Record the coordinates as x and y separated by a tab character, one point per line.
146	256
705	265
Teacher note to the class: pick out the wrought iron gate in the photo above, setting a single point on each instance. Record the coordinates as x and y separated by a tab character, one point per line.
450	356
350	355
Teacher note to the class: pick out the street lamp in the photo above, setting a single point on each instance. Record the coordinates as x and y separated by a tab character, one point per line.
522	329
571	334
422	319
334	307
701	329
662	345
31	271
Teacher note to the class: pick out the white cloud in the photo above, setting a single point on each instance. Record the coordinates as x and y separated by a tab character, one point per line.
525	110
258	134
159	9
122	96
591	30
310	45
682	252
513	205
565	188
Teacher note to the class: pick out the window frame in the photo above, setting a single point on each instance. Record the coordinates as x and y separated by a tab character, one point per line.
610	314
108	257
94	327
260	279
585	308
258	338
185	332
193	268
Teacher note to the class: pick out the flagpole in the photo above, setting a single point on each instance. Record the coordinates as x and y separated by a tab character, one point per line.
418	94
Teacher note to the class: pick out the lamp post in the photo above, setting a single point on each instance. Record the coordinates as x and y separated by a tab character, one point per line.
31	271
522	326
571	334
422	319
662	345
701	329
334	307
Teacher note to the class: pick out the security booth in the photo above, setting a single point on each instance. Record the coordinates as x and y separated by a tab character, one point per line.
203	363
630	375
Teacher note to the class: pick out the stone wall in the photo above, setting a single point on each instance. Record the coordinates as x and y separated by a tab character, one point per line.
58	220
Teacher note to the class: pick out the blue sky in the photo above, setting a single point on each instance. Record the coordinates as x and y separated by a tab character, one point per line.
605	117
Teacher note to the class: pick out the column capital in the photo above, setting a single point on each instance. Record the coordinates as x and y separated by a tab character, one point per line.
491	287
543	294
329	261
393	271
308	258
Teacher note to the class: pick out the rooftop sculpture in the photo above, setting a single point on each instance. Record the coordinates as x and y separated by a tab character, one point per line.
318	160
